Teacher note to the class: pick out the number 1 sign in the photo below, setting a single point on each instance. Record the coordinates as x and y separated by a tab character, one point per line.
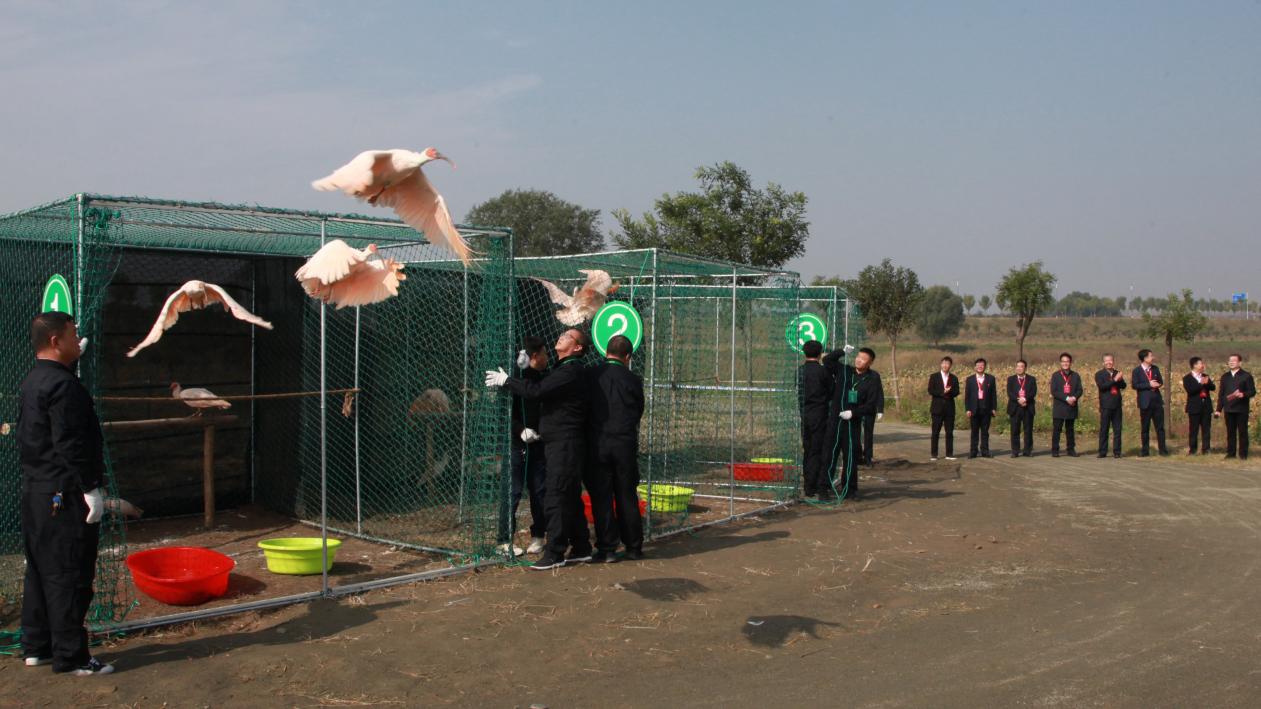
616	318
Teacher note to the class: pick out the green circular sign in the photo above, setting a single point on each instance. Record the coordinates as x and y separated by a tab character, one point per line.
57	296
616	318
804	328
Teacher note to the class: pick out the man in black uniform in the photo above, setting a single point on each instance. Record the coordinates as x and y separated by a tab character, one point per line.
1109	382
943	387
1066	391
854	396
869	421
1199	406
63	470
1148	383
814	391
1238	388
617	405
528	461
980	403
562	397
1022	390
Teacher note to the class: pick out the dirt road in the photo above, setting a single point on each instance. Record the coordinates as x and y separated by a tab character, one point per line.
1030	582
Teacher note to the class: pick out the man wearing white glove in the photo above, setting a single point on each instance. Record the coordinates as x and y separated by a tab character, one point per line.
854	397
61	452
563	414
527	458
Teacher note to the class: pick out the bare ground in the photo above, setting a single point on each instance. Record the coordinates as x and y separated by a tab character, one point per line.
1039	582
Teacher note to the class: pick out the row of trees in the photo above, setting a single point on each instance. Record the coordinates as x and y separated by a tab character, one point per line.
1087	305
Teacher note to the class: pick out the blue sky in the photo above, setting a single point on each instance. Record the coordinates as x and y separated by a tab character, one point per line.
1120	143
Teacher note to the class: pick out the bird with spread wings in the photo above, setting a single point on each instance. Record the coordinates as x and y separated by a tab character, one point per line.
195	295
586	299
345	276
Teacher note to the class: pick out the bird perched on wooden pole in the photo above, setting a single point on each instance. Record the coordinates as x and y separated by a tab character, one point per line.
195	295
586	300
346	276
199	399
393	178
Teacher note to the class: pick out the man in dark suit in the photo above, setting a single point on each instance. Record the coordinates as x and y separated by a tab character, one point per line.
1021	390
1109	382
979	403
617	406
1066	390
1199	405
814	392
943	387
869	421
1151	405
854	397
1238	388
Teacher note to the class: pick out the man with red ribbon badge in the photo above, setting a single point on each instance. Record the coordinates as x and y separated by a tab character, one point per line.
1151	405
1110	382
979	404
1238	388
1065	391
1199	406
1021	390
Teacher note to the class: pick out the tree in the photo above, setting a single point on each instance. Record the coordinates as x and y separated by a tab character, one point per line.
889	296
1079	304
940	314
542	224
1119	304
728	219
984	302
968	302
1025	292
1178	320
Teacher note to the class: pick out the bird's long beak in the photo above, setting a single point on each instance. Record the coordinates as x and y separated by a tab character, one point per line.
448	160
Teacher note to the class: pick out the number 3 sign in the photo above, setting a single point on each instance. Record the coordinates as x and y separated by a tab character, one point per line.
804	328
616	318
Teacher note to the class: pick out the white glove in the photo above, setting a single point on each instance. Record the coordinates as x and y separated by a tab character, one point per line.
880	416
529	435
848	348
847	415
83	345
523	360
496	377
96	505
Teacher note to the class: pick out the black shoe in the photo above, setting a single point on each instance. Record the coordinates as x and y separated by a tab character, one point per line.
1164	454
548	562
987	454
1102	455
853	495
1144	454
1055	454
1014	454
971	456
1072	454
1116	455
92	668
867	462
827	496
603	557
578	557
1230	456
633	555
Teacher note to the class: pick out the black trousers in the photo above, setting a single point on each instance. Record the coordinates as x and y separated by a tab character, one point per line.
528	472
1237	433
562	500
618	456
60	568
869	440
1153	416
1070	435
980	433
815	452
1110	419
844	451
944	421
1022	422
1199	427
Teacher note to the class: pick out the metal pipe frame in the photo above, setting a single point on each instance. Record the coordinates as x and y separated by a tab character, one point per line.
732	506
323	436
358	481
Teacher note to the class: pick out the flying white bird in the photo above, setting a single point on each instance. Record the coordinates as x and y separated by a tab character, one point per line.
340	274
195	295
393	178
118	505
199	399
586	299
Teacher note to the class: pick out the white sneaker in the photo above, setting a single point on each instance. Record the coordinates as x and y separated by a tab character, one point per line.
536	545
951	457
932	460
38	661
503	549
94	667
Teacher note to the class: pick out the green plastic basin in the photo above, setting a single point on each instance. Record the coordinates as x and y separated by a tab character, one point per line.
297	555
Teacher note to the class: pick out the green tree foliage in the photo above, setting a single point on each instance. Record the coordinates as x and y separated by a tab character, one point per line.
940	314
1178	320
889	297
728	219
542	224
984	302
1085	305
969	302
1026	292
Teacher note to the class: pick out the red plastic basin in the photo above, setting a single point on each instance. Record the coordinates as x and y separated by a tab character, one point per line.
181	576
760	472
586	508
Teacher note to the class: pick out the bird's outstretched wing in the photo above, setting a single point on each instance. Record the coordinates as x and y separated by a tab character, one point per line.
557	295
372	283
597	280
217	294
357	177
178	302
418	204
330	264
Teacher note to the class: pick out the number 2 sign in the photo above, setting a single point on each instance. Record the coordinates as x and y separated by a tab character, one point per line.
616	318
804	328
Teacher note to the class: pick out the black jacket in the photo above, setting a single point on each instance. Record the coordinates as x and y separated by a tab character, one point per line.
1060	408
1013	394
973	401
1198	398
1109	389
562	397
943	400
859	393
879	386
525	412
1147	396
1242	381
60	445
814	391
617	400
